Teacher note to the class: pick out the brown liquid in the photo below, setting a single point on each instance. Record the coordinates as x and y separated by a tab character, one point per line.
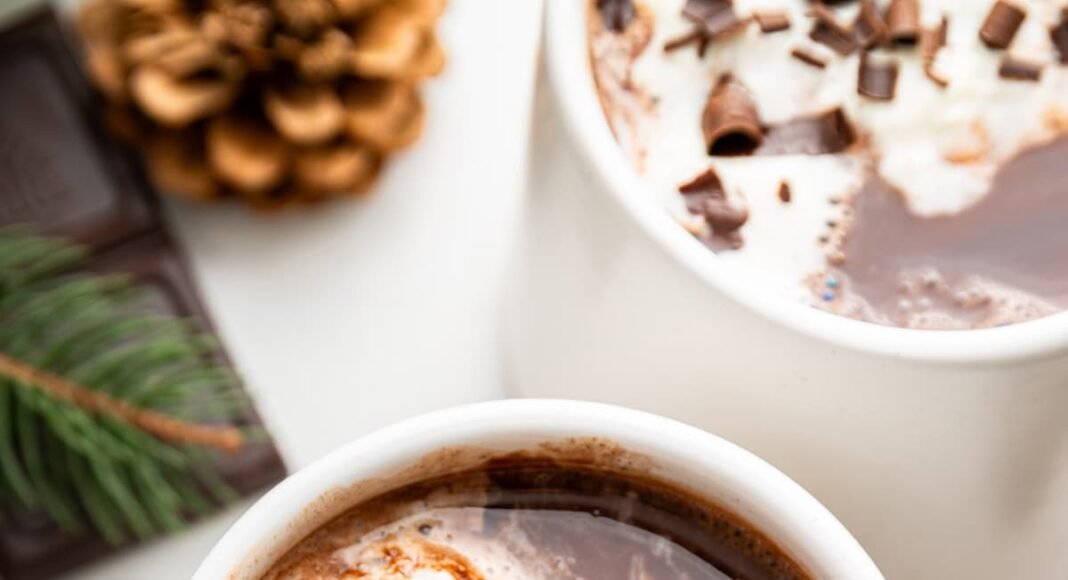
905	266
575	522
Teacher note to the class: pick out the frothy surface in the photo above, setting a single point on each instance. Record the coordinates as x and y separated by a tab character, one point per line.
939	150
536	521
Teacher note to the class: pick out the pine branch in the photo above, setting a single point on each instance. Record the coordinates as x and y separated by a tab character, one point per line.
227	439
104	404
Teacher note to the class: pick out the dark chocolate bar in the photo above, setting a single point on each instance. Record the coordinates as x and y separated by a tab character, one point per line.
63	177
61	174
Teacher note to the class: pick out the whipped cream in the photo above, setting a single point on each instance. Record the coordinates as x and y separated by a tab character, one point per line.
939	146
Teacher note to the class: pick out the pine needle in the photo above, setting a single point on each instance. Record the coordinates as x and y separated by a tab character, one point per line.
105	406
227	439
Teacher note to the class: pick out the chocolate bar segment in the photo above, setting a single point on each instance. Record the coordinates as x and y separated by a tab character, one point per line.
60	173
63	178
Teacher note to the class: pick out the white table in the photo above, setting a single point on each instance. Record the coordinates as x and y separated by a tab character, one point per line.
348	317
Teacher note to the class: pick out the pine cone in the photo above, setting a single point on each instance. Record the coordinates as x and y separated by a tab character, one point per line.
271	101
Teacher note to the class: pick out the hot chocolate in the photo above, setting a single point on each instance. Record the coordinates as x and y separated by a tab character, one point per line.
895	161
526	517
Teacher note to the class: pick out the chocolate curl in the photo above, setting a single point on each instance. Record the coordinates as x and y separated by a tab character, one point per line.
730	121
1058	35
1016	69
822	134
717	17
934	76
830	32
868	28
1001	24
933	40
903	21
877	80
724	218
706	197
771	21
808	57
616	14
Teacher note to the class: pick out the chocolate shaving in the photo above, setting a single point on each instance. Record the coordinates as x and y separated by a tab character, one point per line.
724	218
717	17
616	14
934	76
707	183
705	196
730	122
830	32
933	40
823	134
877	80
869	29
771	21
1015	69
1058	35
693	37
785	195
1001	24
903	21
808	57
702	46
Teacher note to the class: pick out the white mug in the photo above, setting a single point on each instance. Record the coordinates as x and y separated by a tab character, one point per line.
677	453
946	453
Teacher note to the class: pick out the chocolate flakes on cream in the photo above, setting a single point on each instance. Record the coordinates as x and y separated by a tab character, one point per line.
789	118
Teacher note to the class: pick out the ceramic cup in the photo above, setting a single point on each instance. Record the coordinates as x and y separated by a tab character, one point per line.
678	453
944	452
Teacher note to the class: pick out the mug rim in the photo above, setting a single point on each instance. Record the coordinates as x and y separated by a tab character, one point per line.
815	537
572	87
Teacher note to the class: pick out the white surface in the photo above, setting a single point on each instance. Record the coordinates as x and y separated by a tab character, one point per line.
675	452
348	317
942	452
